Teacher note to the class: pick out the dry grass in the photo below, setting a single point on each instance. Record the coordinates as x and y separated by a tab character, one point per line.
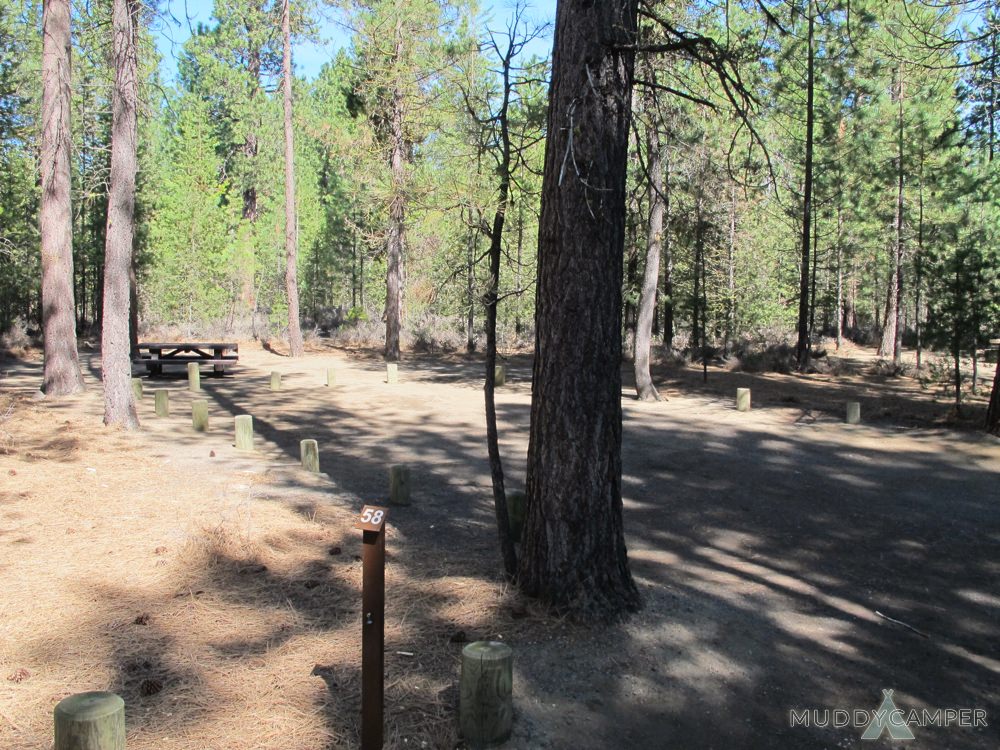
224	616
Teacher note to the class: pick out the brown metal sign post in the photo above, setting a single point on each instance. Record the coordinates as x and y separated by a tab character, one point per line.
372	524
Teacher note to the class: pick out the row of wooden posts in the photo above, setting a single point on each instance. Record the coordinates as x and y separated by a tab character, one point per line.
96	720
852	415
399	475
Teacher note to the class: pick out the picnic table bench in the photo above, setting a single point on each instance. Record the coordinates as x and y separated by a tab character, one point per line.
155	355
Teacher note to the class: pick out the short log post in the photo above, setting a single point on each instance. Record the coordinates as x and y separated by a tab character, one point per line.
194	377
199	415
331	377
244	432
853	412
516	508
275	381
309	451
90	721
391	373
399	485
486	706
500	375
137	388
161	402
742	399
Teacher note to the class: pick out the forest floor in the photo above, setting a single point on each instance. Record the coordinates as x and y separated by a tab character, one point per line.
219	592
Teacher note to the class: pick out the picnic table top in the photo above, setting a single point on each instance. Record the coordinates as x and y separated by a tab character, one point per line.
186	345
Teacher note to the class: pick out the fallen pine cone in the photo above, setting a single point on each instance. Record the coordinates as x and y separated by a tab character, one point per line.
19	675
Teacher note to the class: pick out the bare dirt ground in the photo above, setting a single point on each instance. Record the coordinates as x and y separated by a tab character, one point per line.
219	592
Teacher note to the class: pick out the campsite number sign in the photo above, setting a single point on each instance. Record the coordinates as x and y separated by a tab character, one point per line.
372	518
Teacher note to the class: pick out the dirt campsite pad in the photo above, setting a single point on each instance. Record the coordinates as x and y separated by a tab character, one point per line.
788	562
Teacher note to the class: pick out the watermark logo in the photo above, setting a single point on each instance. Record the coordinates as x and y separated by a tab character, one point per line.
887	719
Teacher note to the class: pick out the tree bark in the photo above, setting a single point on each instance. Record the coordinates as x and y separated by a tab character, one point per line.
573	554
892	333
803	345
644	388
116	343
61	372
295	346
397	220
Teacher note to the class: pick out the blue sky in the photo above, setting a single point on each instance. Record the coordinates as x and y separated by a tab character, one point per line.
308	57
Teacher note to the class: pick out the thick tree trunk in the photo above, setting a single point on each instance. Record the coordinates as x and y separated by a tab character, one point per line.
993	412
803	345
295	347
573	554
892	333
644	388
61	372
116	344
397	222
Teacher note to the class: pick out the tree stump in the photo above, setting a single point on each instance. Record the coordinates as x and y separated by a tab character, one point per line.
90	721
309	452
331	377
199	416
161	401
500	375
742	399
275	381
244	432
486	706
399	485
194	377
137	389
853	412
516	511
391	373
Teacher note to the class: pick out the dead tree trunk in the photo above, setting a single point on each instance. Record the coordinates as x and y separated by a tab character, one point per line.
61	372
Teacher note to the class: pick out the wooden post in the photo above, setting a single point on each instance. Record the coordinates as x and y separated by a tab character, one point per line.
90	721
275	381
516	510
399	485
161	401
500	375
372	523
309	452
194	377
486	706
199	416
137	388
391	373
331	376
244	432
742	399
853	412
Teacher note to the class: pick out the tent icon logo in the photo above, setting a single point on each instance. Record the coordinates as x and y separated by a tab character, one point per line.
887	718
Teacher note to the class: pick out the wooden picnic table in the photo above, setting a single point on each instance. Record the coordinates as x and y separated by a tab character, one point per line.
154	355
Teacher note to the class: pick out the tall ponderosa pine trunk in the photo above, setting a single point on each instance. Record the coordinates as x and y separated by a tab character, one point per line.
573	554
116	344
61	373
644	388
295	347
890	345
803	345
396	238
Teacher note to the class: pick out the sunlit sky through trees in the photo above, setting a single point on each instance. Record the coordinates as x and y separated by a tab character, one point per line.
179	17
